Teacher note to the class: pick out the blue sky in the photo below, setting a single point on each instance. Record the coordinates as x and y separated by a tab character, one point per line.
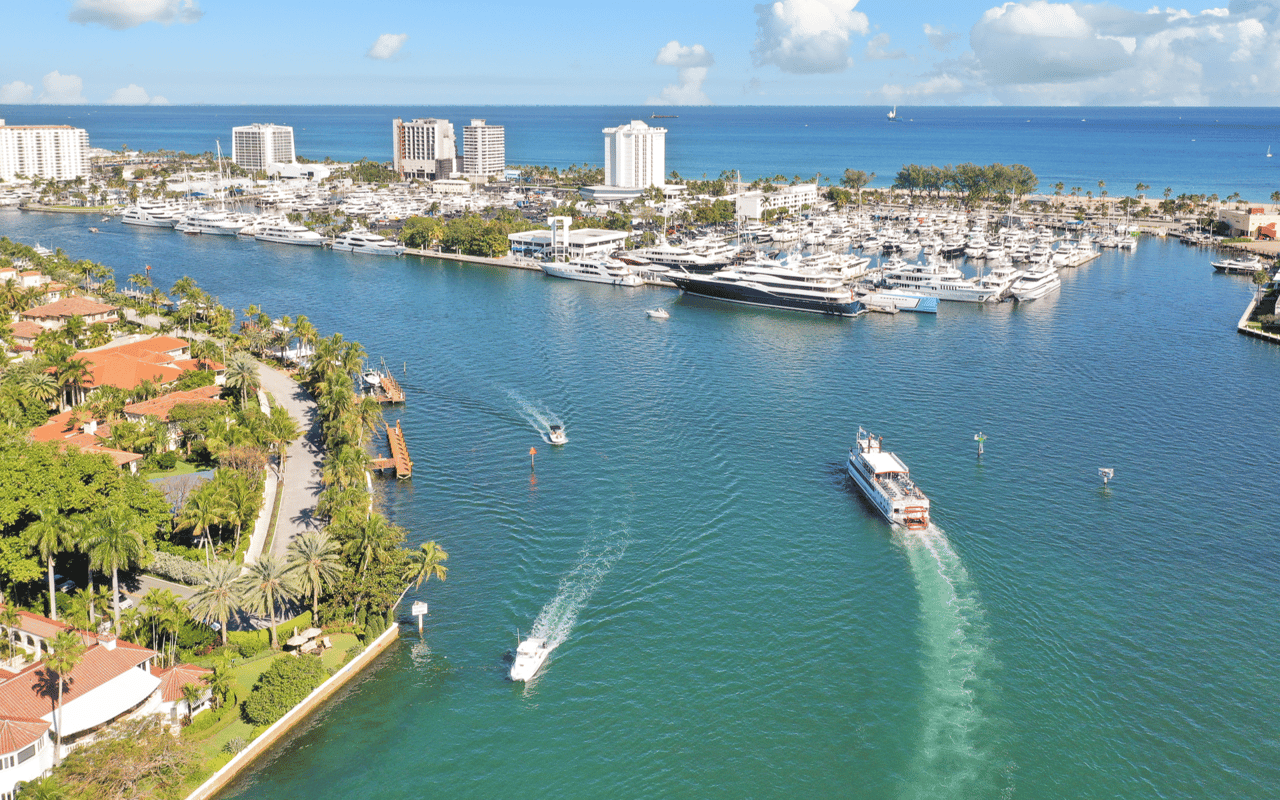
791	52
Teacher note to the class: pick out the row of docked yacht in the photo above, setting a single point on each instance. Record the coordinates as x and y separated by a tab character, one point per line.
266	228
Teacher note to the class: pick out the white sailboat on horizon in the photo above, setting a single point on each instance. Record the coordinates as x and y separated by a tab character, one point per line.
893	114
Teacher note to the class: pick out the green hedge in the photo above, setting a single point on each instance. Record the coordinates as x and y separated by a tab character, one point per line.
176	568
208	723
285	684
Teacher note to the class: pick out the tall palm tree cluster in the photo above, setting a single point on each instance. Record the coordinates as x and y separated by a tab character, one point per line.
217	512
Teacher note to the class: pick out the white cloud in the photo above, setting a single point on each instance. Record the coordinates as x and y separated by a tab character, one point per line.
940	39
122	14
135	95
1042	52
807	36
933	88
388	45
876	49
62	89
16	92
691	65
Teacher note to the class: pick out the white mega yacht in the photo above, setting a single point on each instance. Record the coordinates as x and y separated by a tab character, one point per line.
359	240
152	214
282	231
937	278
593	270
1036	283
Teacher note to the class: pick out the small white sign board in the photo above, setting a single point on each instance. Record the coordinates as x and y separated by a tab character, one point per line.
419	608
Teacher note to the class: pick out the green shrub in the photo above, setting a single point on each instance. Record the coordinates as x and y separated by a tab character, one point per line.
209	720
234	745
251	647
176	568
167	461
181	551
285	683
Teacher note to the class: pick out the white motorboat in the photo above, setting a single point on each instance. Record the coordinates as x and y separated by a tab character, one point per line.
530	656
594	270
359	240
212	222
556	435
887	483
658	313
1239	266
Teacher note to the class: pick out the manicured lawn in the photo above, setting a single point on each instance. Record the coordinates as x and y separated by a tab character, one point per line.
181	468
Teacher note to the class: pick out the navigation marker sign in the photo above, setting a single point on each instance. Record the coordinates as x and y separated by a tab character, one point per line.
419	610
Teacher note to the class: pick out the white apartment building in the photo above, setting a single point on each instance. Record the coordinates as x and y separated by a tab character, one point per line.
635	156
484	148
260	145
424	148
60	152
752	205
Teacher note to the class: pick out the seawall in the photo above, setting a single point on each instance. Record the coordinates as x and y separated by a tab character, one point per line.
505	261
298	713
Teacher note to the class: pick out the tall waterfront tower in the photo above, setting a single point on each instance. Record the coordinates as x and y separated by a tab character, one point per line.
60	152
423	148
484	149
260	145
635	156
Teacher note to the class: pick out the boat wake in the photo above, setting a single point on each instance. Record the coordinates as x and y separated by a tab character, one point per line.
952	758
557	618
540	418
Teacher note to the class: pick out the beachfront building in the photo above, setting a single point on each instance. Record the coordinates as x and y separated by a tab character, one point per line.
60	152
560	243
55	315
635	158
484	149
753	205
423	148
261	146
1254	222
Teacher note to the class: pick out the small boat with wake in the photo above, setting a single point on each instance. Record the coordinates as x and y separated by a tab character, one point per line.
658	313
886	483
530	656
556	435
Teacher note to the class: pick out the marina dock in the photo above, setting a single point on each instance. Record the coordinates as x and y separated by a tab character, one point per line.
399	460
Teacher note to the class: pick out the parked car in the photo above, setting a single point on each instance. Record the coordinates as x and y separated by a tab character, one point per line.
62	584
125	601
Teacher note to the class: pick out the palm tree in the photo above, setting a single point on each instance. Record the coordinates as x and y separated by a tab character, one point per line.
426	563
204	510
10	619
315	563
65	651
218	598
370	545
50	535
222	681
264	587
281	429
241	496
242	375
118	545
41	386
71	375
166	613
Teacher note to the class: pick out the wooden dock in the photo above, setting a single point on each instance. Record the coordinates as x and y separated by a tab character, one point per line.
399	460
388	390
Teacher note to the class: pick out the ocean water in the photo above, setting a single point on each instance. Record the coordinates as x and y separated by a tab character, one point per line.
732	621
1189	150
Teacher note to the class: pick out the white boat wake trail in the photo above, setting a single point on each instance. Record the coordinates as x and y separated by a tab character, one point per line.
557	617
540	418
951	758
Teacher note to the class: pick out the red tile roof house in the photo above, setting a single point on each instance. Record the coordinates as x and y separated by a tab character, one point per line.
160	407
160	359
112	679
173	703
89	437
55	314
25	335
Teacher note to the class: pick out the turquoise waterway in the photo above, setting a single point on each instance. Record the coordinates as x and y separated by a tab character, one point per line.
744	627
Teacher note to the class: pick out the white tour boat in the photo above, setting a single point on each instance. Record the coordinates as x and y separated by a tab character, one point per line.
593	270
359	240
530	656
887	483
